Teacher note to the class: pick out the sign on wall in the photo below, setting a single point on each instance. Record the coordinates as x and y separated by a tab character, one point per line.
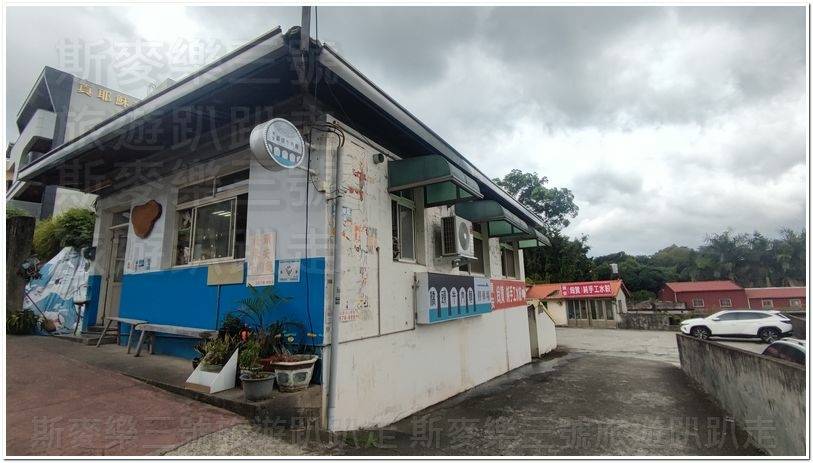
442	297
592	288
277	144
508	293
289	271
260	256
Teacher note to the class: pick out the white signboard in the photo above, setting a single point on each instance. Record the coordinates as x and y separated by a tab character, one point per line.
261	255
289	271
277	144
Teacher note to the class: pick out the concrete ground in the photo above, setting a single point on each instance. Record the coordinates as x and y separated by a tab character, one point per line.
57	405
576	404
604	392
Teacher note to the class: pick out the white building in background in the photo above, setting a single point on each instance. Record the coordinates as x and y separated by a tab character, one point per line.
58	108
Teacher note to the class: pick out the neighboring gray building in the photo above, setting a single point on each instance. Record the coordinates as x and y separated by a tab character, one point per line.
58	108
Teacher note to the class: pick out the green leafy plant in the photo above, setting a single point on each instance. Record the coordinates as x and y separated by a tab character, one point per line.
231	325
260	304
73	227
15	212
21	322
217	350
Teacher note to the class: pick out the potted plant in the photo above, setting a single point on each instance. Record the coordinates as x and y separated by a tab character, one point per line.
217	354
257	384
292	364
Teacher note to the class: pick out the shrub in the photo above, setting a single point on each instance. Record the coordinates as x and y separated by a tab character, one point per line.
14	212
21	322
46	241
73	227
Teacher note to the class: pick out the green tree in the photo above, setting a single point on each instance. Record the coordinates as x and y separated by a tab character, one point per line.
73	227
555	206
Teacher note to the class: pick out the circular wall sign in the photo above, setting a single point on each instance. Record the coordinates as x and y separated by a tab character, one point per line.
277	144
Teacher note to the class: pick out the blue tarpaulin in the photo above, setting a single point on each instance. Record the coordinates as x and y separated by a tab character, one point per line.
64	280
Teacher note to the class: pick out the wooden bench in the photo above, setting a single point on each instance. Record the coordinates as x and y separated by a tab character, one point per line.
133	322
149	329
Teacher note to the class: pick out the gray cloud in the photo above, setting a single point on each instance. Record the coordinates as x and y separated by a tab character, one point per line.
668	123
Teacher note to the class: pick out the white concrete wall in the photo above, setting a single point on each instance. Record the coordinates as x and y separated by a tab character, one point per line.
545	331
557	308
390	367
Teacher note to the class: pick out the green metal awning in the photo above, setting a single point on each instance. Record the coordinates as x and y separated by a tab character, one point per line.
500	221
536	240
443	183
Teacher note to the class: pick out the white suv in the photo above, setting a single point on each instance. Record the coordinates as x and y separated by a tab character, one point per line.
768	325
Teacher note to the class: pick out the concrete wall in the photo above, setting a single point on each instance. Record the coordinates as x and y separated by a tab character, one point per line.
546	331
391	367
756	390
649	321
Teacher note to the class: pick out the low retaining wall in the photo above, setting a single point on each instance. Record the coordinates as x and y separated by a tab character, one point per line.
765	396
799	326
649	321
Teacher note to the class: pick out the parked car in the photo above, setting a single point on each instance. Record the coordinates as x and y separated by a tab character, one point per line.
768	325
792	350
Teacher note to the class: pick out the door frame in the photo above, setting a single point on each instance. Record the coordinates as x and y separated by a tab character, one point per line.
111	230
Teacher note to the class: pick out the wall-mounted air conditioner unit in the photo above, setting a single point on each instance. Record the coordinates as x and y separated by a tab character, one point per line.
456	237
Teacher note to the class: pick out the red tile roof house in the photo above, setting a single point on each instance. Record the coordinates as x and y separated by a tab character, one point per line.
594	304
705	295
788	298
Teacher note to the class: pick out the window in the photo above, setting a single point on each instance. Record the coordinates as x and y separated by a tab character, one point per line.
508	261
211	220
728	317
476	266
583	309
785	352
698	302
403	228
725	302
609	307
767	304
571	310
593	309
795	302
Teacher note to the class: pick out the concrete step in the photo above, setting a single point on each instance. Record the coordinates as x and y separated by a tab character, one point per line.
89	339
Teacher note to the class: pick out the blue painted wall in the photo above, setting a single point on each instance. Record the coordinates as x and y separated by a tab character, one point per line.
92	308
182	297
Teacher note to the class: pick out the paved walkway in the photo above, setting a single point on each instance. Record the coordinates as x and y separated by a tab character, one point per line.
577	404
649	345
56	405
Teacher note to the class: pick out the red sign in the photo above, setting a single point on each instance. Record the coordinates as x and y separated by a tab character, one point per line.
588	289
507	293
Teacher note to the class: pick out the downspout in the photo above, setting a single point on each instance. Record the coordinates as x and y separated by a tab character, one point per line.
332	393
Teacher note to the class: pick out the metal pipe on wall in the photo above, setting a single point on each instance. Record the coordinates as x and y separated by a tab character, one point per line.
332	394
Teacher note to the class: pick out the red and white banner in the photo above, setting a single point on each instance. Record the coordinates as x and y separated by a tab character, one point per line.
589	289
507	293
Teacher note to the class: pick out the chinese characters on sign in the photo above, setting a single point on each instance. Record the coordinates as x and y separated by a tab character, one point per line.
261	257
507	293
593	288
104	95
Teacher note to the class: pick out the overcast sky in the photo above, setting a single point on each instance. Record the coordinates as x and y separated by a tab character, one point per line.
668	123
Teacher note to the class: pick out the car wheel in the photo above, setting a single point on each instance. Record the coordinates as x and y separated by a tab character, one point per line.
701	332
769	335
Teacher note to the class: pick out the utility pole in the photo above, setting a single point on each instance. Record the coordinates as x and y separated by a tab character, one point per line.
305	30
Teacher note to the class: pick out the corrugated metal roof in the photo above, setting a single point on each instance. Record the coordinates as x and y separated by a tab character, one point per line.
796	292
692	286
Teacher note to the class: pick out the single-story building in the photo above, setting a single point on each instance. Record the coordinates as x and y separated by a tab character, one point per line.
595	304
705	295
710	296
780	298
402	260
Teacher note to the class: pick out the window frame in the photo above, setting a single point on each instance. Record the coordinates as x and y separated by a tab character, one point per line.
508	247
695	305
724	306
767	303
227	194
795	302
406	203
